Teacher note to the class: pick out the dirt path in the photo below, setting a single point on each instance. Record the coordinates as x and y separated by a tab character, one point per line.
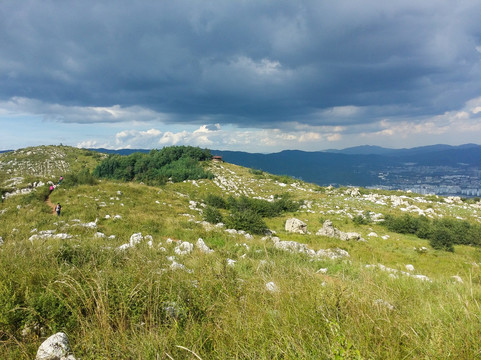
51	204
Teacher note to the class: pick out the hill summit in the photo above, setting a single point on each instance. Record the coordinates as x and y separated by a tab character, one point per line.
238	263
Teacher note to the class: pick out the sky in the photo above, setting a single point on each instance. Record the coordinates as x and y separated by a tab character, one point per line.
256	76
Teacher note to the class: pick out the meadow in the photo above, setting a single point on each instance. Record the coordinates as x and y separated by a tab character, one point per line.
123	274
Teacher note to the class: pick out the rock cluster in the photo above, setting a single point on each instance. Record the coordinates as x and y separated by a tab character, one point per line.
295	247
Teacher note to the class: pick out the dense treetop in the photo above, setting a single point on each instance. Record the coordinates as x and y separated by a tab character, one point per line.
177	163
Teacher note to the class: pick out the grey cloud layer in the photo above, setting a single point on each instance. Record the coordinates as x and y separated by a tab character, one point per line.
250	63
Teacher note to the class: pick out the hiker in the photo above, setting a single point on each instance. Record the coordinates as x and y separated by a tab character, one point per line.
60	180
58	208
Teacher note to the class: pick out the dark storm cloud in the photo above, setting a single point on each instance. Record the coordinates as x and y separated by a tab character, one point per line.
245	62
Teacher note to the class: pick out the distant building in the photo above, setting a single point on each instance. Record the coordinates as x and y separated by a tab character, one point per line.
217	158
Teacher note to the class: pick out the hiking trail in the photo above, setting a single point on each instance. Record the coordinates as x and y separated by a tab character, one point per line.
51	204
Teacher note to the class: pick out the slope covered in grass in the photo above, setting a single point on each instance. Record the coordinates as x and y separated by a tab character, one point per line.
123	273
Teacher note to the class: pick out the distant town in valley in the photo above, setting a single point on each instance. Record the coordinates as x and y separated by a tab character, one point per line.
439	180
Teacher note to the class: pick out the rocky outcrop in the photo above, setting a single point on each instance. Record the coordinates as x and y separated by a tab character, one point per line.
56	347
295	247
329	230
294	225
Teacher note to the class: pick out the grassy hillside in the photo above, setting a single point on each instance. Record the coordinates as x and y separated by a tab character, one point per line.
122	271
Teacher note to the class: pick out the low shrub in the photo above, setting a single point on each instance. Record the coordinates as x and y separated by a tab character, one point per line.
212	215
216	201
442	239
83	177
246	220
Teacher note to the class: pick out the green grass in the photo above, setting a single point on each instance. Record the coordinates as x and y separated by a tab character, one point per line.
131	304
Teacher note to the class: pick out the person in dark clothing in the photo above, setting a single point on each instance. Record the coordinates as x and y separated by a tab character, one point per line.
58	208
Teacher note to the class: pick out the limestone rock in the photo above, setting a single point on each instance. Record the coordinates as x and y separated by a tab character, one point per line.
184	248
329	230
272	287
136	239
296	226
200	244
457	278
56	347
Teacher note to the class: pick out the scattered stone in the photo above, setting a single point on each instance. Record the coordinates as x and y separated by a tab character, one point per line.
421	277
457	278
136	239
395	272
272	287
231	262
172	310
184	248
322	271
56	347
421	250
293	246
409	267
124	247
332	254
350	236
49	234
383	303
352	192
203	247
296	226
329	230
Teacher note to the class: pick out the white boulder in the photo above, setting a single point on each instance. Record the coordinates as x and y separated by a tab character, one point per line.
296	226
184	248
272	287
203	247
136	239
56	347
329	230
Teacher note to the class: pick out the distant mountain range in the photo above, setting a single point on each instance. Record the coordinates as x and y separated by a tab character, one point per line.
366	165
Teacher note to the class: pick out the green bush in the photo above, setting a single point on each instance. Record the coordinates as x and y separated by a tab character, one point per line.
256	172
442	239
405	224
246	220
262	207
212	215
216	201
84	177
442	233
